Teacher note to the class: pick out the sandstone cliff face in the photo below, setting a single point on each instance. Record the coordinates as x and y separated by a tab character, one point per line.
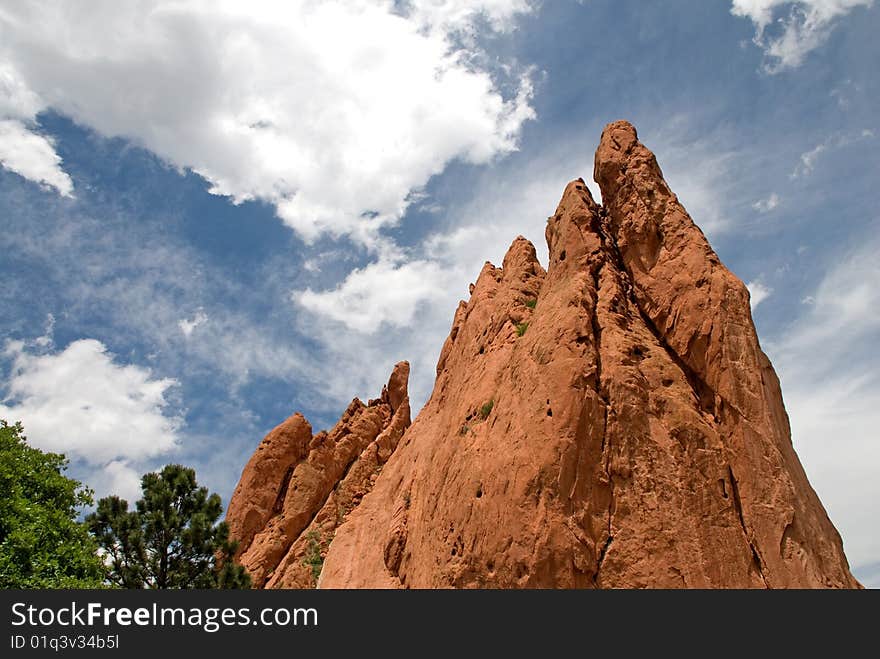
298	488
611	422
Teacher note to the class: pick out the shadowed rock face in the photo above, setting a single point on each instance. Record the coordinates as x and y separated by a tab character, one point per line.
298	488
611	422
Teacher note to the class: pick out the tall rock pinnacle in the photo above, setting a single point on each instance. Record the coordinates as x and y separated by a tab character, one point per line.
297	488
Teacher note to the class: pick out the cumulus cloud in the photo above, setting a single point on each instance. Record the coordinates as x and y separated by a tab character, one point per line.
382	292
335	112
758	292
32	156
23	149
111	420
80	401
788	30
118	477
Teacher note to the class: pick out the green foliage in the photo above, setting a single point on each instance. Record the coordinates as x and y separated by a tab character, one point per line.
313	558
171	539
532	303
521	328
42	545
486	409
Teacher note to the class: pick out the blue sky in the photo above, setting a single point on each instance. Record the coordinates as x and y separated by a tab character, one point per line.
212	216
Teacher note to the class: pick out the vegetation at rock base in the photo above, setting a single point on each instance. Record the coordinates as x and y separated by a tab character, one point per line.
313	558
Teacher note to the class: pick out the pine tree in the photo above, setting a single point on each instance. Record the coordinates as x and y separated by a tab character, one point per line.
171	539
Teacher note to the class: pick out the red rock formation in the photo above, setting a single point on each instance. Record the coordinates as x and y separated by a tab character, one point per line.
297	489
611	422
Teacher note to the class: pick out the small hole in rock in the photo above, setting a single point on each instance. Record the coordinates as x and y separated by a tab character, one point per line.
562	255
549	412
479	492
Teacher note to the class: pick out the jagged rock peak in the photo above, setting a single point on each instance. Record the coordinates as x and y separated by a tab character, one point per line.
297	488
611	422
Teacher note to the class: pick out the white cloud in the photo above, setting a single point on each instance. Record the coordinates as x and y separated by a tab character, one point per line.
828	363
381	292
22	149
758	292
188	325
82	403
335	112
118	477
768	204
32	156
788	30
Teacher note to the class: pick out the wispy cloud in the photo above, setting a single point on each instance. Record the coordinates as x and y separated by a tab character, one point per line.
118	276
808	159
788	30
188	325
828	364
768	204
